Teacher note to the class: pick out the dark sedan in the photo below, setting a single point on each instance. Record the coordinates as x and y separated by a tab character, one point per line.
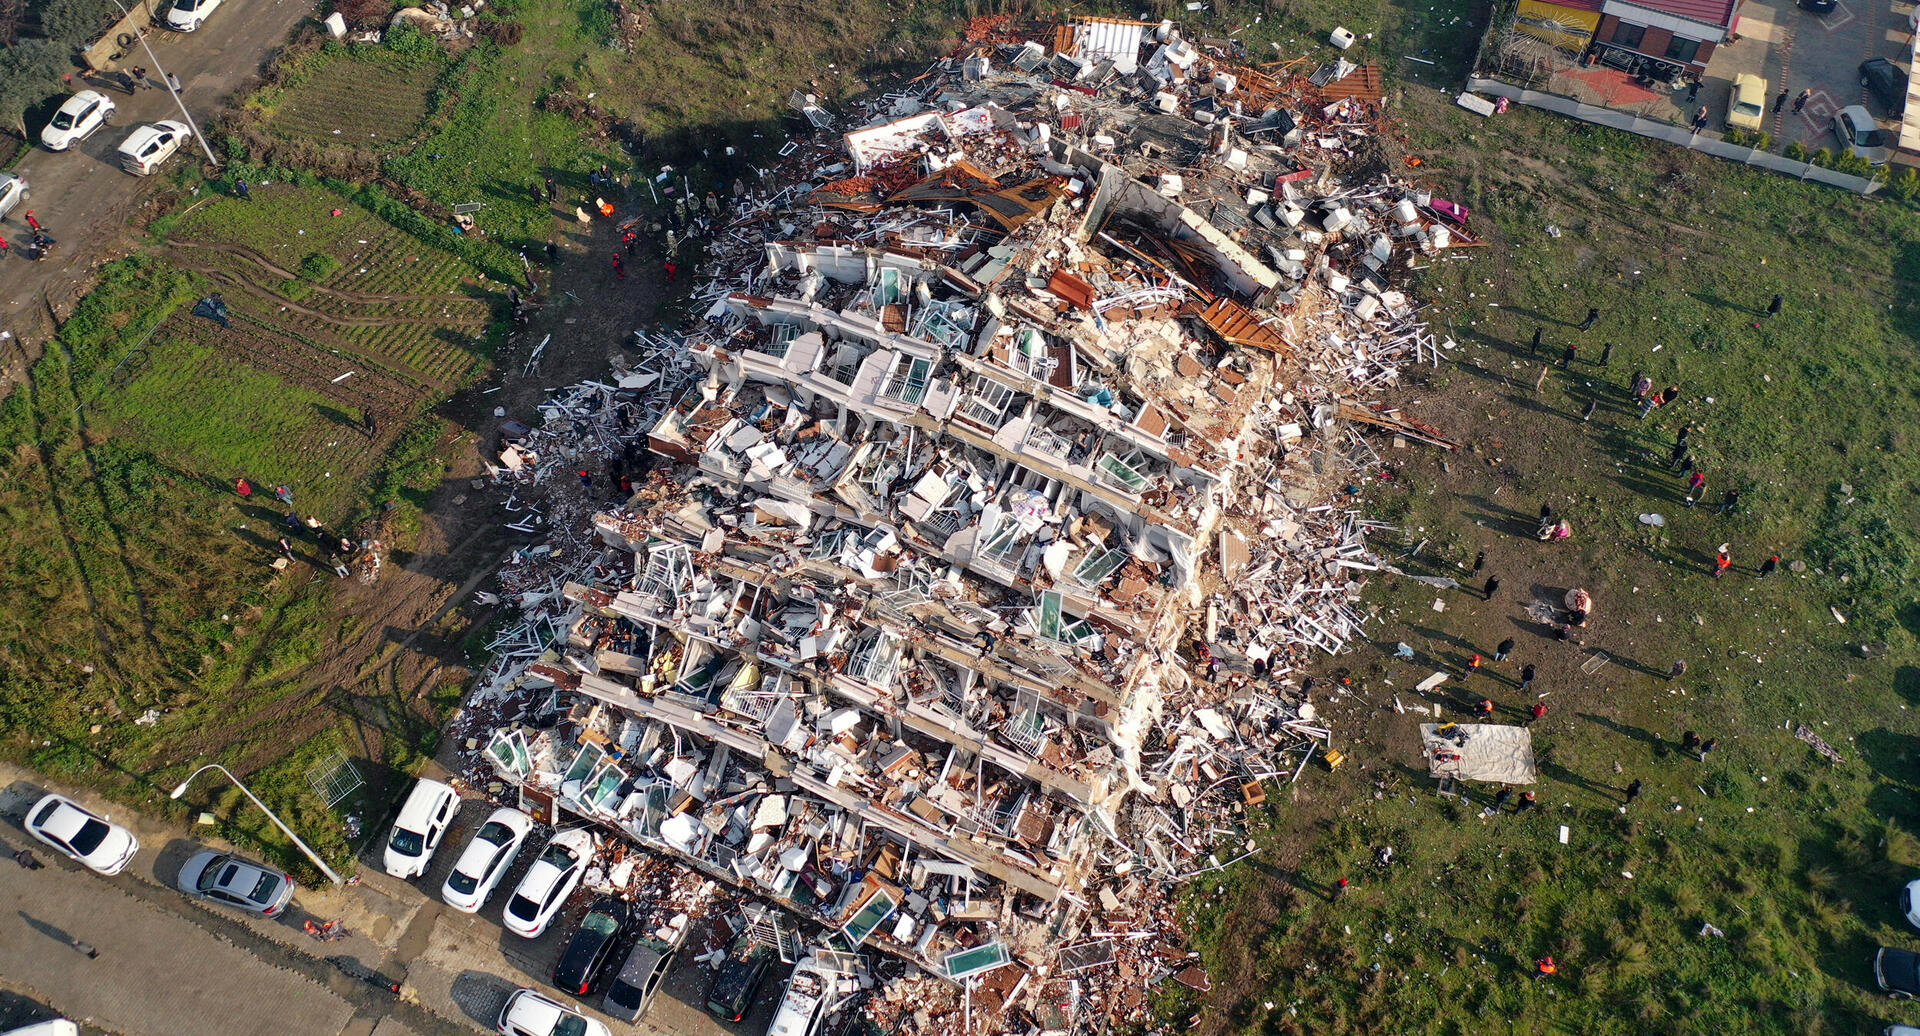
591	945
1819	6
1884	80
1897	972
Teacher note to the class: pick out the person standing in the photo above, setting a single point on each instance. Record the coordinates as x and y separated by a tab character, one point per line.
1677	669
1479	562
1566	356
1340	888
586	482
243	487
1729	500
173	83
1669	395
1535	350
1700	119
619	267
1633	792
242	191
1537	712
1473	666
1647	403
1689	741
1527	673
284	494
1606	353
553	190
1586	413
1800	102
1693	90
286	548
1493	583
1502	650
553	252
1527	802
1774	307
4	246
1696	485
339	567
1707	746
1721	562
1504	797
1767	566
85	948
1593	317
1780	101
27	860
1484	710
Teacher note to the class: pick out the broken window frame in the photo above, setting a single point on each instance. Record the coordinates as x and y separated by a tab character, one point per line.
867	910
908	380
779	341
1114	471
669	572
978	960
980	405
873	658
1006	542
1099	565
508	750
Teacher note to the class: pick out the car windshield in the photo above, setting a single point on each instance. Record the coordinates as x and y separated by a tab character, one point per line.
63	119
188	6
463	883
599	924
523	908
407	843
92	833
496	832
558	855
570	1025
47	812
1747	108
625	995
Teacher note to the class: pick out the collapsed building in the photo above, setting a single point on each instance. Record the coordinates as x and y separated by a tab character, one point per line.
1002	489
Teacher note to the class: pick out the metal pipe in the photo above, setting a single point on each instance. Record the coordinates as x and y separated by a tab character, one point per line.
181	789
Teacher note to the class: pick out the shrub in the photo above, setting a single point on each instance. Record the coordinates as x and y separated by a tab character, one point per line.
1906	186
406	38
75	22
1823	158
1796	151
318	266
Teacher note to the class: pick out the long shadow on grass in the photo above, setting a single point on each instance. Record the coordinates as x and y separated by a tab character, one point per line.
1611	795
1641	734
1894	756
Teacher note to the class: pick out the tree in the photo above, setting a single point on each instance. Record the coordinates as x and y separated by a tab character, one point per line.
75	23
29	71
12	12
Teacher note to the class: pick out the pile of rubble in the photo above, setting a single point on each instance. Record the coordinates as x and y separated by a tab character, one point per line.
963	557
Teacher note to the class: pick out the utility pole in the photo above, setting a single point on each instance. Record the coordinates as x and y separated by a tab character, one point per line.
140	33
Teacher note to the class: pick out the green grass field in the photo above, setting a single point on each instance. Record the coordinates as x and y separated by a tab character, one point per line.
1796	861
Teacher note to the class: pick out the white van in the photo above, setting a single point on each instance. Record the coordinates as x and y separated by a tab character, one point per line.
148	146
423	821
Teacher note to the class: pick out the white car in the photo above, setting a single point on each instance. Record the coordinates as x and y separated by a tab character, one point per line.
1910	902
486	859
530	1013
76	120
51	1027
186	15
548	883
148	146
804	1005
88	837
13	191
423	821
1858	133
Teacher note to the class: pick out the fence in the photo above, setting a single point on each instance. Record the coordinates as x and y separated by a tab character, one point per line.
1631	123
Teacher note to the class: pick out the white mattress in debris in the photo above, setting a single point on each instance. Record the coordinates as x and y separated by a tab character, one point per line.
1479	752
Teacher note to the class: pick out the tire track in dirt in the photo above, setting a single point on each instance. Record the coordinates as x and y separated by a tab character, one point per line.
343	294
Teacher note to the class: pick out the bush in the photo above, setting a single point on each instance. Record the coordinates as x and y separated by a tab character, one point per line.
1796	151
1906	186
1823	158
406	38
318	266
74	23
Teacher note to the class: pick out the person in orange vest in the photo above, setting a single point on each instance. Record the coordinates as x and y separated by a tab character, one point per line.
1485	709
1473	665
1545	968
1721	562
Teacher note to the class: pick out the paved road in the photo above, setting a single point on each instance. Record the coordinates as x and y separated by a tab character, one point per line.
84	199
176	963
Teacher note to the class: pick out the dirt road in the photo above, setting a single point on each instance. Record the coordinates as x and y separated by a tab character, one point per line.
83	198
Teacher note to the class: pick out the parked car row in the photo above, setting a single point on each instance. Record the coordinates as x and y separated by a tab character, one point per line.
100	845
147	147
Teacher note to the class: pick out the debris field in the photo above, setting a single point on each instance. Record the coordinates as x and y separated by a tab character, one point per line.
948	585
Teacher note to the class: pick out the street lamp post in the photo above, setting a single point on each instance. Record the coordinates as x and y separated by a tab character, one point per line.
140	33
181	789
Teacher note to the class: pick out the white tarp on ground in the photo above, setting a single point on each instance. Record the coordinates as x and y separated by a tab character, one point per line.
1478	752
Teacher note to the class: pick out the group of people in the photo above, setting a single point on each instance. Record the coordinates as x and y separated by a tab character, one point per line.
39	244
337	549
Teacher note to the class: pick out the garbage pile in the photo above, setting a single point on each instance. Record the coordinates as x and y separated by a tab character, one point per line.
948	585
